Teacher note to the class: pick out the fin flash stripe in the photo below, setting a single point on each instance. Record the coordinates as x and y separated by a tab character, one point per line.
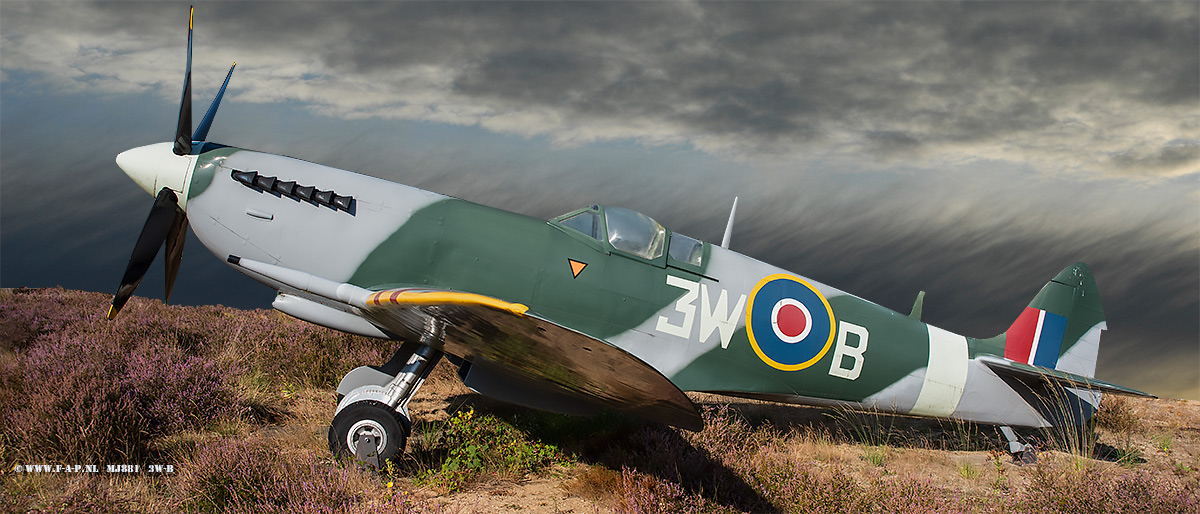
411	297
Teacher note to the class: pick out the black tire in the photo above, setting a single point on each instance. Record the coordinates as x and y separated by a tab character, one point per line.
369	416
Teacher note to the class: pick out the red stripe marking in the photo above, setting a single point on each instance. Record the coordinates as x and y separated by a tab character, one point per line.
392	298
1018	340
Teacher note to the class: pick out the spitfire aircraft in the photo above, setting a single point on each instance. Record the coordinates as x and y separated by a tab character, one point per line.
599	308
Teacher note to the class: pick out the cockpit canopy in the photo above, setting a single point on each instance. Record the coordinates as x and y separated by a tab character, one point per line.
633	232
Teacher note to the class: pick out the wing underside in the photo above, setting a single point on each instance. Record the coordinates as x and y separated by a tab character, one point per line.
499	335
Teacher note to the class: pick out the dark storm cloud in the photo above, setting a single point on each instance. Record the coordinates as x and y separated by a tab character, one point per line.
735	78
1145	51
793	72
892	143
1169	156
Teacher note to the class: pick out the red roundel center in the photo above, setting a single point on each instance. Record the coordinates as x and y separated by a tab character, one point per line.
791	320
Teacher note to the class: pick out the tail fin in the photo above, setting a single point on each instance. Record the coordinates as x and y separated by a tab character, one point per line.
1050	350
1060	329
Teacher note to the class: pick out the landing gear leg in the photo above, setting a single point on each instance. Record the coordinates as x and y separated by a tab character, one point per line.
1021	453
372	421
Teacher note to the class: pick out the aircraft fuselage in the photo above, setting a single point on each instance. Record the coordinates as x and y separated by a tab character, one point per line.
728	323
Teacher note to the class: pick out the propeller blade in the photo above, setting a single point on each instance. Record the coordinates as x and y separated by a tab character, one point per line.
158	227
206	122
175	239
183	131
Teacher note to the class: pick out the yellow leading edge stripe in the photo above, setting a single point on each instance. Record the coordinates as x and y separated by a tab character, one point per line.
442	298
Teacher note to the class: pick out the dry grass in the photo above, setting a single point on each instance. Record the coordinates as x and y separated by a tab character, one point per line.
269	454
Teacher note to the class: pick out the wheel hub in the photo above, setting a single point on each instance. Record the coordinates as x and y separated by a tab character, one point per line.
366	427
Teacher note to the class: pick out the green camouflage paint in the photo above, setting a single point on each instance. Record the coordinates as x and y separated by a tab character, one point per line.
897	346
206	168
458	245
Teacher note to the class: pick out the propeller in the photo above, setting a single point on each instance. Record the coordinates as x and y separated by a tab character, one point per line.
206	121
183	131
167	223
163	224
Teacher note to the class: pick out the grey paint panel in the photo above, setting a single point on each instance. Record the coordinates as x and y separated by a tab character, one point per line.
326	316
231	218
988	399
363	376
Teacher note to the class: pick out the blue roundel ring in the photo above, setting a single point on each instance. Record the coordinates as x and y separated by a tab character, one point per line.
789	322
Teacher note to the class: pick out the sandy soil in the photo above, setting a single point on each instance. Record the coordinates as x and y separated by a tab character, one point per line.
1168	438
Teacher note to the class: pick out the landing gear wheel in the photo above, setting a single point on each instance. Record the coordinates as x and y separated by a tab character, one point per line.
365	426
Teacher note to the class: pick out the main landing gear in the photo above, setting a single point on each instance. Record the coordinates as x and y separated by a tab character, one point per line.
372	421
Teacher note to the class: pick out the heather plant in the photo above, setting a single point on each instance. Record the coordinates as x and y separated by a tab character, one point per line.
637	493
78	384
106	389
1117	414
797	486
236	476
1093	489
295	353
726	433
287	350
90	400
26	314
703	464
86	494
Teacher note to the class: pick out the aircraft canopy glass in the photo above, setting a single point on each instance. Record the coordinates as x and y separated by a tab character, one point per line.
587	222
634	232
686	249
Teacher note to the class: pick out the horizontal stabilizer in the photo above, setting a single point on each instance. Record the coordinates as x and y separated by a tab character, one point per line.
1025	371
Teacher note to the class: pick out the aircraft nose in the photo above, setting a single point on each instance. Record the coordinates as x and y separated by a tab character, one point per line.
156	166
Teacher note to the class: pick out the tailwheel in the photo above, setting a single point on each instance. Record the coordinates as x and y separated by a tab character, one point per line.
369	430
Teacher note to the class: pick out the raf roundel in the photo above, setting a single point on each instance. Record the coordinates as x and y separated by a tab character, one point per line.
789	322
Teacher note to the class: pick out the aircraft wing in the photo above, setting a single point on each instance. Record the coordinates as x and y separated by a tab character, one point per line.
501	335
1021	370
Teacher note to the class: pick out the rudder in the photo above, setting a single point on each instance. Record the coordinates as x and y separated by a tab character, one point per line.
1060	329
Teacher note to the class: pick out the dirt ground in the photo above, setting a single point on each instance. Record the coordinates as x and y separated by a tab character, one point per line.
1167	438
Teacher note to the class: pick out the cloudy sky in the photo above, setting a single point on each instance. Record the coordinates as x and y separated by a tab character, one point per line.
969	150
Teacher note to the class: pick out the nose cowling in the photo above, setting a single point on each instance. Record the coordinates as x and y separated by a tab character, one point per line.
156	166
